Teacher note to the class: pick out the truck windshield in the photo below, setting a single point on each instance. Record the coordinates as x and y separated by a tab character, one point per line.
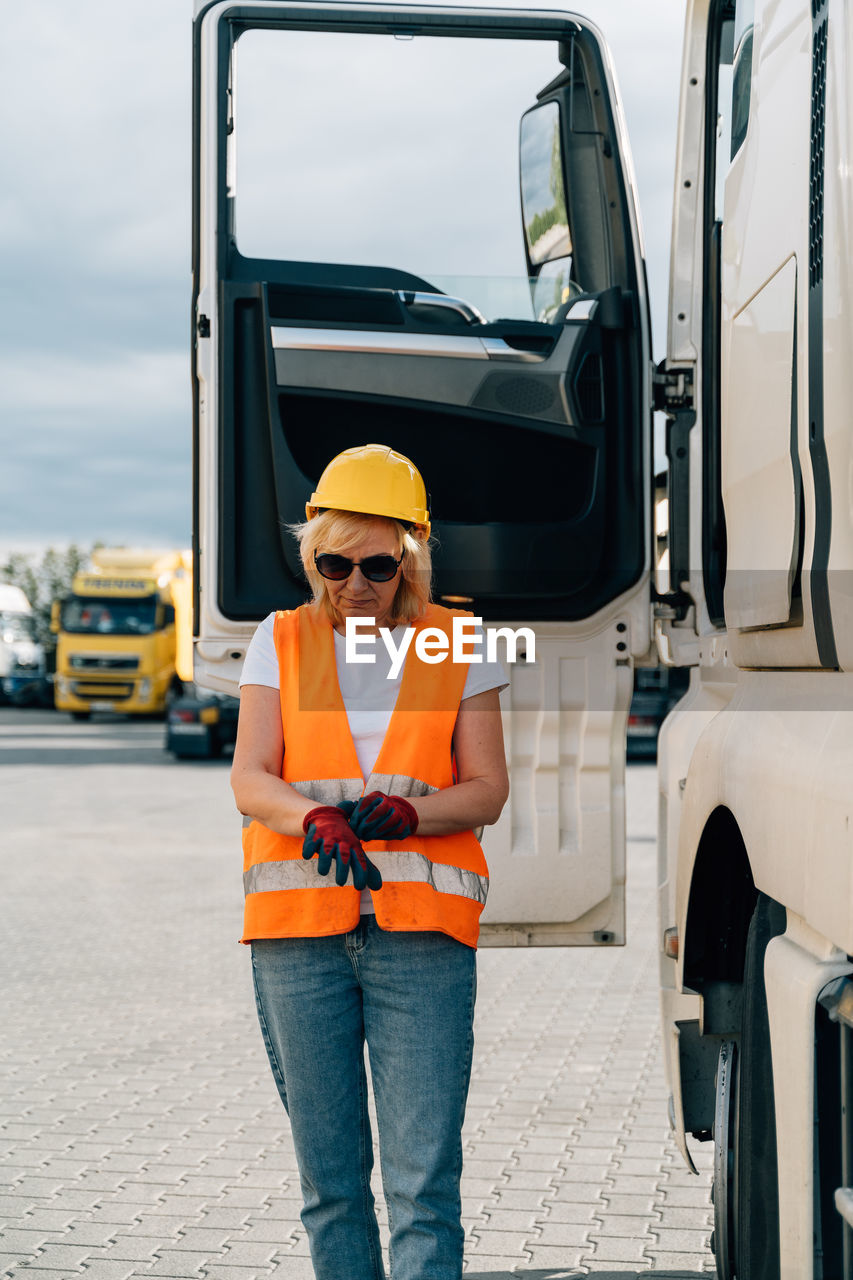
103	615
16	626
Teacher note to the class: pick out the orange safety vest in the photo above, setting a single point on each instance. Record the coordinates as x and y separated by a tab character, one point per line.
436	883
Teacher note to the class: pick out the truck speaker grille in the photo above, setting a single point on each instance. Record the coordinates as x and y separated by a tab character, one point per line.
536	396
589	388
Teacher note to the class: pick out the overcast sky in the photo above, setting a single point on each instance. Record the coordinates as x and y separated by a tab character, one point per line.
95	235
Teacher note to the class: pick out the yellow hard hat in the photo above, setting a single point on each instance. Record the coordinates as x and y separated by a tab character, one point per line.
375	480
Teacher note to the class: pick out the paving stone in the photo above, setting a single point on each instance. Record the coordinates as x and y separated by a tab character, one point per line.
219	1272
534	1161
626	1184
247	1197
133	1248
474	1187
529	1179
512	1220
177	1205
236	1219
43	1273
287	1269
11	1262
692	1263
47	1220
510	1198
62	1257
547	1256
110	1269
240	1253
260	1232
564	1233
119	1213
504	1244
677	1216
13	1239
282	1209
636	1206
580	1192
679	1240
620	1248
36	1188
171	1262
564	1211
491	1268
97	1234
696	1197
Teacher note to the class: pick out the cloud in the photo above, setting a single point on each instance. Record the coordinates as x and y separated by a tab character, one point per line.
96	450
52	384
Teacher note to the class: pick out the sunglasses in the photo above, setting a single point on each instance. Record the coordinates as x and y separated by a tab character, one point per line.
374	568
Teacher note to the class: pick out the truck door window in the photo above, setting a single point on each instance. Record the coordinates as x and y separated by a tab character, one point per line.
742	71
420	172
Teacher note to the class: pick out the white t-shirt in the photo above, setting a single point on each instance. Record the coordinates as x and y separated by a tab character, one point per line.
368	693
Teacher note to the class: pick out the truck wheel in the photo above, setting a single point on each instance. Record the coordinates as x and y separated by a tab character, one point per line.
80	715
746	1197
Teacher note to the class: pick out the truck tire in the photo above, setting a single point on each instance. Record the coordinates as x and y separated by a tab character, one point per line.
80	715
746	1194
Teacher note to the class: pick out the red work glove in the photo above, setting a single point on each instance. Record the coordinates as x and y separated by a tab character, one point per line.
380	817
329	835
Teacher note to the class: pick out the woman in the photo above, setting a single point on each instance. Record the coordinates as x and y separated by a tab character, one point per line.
386	778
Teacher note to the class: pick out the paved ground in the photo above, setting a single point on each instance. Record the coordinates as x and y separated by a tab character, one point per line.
140	1132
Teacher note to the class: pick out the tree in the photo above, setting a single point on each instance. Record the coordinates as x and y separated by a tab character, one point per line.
44	581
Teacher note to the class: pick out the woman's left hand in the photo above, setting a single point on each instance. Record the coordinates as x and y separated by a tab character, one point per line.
380	817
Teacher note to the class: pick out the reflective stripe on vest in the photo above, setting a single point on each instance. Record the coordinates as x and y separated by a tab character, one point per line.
429	882
402	867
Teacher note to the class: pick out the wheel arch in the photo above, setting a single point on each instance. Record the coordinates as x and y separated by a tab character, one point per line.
720	904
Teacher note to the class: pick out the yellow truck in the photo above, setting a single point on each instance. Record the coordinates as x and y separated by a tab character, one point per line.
125	633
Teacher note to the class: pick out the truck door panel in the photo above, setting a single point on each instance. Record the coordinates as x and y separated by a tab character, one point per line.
524	402
529	418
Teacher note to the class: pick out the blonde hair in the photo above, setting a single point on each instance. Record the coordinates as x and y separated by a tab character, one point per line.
339	532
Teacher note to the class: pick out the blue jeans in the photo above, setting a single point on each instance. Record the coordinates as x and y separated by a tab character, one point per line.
410	997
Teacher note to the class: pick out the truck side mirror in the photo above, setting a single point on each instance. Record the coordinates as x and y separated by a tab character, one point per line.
55	610
543	187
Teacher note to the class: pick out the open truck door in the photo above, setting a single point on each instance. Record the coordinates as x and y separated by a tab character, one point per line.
362	274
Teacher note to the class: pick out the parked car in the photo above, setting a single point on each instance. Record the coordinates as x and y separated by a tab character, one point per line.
656	691
200	723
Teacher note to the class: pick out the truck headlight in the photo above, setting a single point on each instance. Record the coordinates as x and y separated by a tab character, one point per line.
144	690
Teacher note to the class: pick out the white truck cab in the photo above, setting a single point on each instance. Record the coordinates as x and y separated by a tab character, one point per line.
22	660
364	270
